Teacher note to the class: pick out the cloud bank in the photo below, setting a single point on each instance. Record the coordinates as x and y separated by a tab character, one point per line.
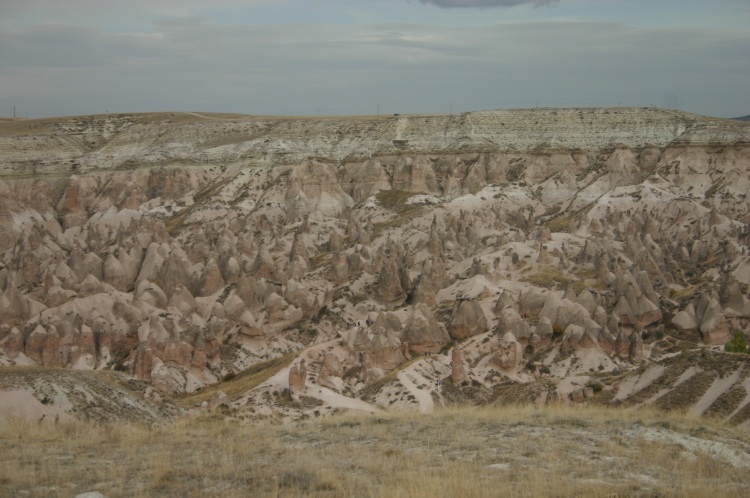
195	65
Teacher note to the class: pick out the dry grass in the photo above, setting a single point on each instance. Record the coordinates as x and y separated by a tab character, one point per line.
548	276
559	223
510	451
395	200
244	381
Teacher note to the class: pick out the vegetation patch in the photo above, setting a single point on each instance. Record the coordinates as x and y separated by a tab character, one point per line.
516	171
560	224
395	200
548	276
243	381
727	403
687	393
461	451
738	344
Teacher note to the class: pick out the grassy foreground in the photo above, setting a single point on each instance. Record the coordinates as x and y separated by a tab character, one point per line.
499	451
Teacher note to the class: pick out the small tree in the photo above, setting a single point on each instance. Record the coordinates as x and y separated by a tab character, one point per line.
738	344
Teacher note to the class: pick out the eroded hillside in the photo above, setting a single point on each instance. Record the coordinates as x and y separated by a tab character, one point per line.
408	261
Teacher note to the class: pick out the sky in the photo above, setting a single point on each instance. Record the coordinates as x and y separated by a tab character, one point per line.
329	57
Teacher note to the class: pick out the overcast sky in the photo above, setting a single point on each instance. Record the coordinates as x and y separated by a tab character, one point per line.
360	56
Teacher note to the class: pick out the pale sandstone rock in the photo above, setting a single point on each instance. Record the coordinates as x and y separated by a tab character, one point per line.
458	372
423	332
685	320
508	356
183	301
339	272
166	379
389	286
509	321
622	345
331	372
379	345
636	348
572	337
13	343
468	319
425	290
211	280
713	325
297	380
115	274
732	299
505	300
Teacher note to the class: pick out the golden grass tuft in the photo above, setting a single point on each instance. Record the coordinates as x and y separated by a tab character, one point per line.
244	381
548	276
559	223
395	200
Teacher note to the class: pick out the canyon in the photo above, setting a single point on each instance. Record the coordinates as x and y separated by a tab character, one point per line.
296	267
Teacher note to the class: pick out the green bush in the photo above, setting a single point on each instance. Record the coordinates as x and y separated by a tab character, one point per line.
738	344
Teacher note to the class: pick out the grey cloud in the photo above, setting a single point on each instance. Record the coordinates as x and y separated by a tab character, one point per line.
293	69
447	4
68	46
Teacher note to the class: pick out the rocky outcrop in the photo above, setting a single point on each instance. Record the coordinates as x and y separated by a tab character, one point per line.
297	380
508	355
468	319
458	372
732	299
705	316
331	372
389	288
510	322
378	345
423	332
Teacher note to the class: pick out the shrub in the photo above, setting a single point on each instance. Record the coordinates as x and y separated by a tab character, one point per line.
738	344
557	331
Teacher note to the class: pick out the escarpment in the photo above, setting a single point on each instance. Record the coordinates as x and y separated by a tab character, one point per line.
484	248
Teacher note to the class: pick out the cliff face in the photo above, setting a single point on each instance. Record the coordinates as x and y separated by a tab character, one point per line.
181	248
126	141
